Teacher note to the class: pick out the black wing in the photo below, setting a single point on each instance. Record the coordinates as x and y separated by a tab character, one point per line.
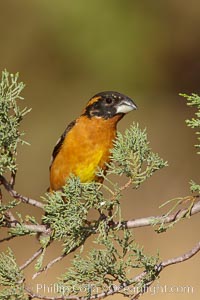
59	143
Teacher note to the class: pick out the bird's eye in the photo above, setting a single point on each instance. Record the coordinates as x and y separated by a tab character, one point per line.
109	100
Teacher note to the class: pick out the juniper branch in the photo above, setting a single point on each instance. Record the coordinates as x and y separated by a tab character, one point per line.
136	280
171	261
149	221
56	260
158	268
193	251
31	259
135	223
16	195
49	265
8	238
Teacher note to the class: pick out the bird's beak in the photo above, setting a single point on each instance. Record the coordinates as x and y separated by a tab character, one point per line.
125	105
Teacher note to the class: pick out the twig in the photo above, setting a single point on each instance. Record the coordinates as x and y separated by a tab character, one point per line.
49	265
149	221
126	185
183	257
121	188
11	218
1	196
8	238
16	195
30	227
38	228
59	258
12	179
31	259
12	222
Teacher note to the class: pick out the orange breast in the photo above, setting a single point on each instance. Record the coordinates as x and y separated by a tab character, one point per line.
85	148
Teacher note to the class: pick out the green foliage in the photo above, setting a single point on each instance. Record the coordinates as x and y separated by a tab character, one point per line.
111	265
194	187
194	101
11	278
4	208
9	271
20	230
67	211
175	205
14	293
10	118
133	157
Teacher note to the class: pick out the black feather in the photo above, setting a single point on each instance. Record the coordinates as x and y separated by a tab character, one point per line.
59	143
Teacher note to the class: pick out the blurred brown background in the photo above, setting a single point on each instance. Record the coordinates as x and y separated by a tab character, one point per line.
66	51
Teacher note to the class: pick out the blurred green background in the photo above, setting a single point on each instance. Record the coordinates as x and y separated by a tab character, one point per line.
65	52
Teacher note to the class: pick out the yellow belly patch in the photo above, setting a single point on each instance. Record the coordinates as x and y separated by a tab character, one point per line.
86	170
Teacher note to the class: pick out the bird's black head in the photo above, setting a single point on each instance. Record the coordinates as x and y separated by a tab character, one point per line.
108	104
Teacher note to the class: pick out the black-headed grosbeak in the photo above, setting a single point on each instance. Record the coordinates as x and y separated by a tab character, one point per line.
86	142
